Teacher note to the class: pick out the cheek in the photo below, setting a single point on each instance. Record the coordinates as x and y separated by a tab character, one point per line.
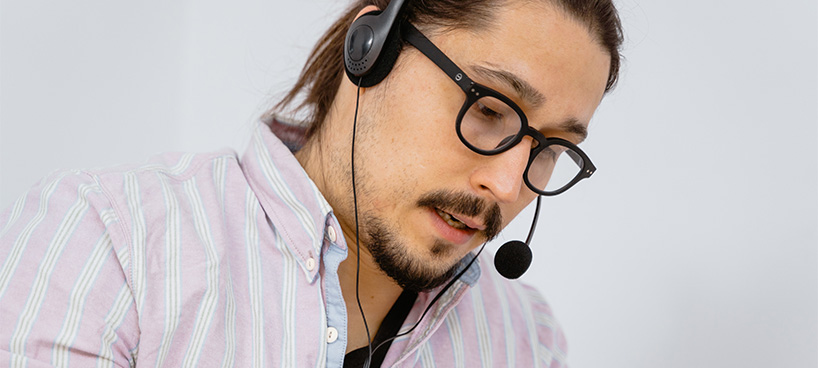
424	140
424	103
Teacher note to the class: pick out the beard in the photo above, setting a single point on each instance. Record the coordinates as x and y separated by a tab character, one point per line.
410	271
393	258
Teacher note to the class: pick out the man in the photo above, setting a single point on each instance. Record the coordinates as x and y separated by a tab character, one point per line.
322	256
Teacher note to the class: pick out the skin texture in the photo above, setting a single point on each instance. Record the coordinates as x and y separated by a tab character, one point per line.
407	149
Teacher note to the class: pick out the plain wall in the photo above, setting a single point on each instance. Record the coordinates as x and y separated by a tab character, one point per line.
694	245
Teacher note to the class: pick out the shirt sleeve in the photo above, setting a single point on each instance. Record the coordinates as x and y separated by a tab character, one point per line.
65	299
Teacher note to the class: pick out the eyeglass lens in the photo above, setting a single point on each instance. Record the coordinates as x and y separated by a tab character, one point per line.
491	125
488	124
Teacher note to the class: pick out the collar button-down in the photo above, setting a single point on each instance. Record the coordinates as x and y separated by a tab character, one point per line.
310	264
332	335
333	237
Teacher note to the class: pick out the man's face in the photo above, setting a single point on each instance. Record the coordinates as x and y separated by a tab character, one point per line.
426	200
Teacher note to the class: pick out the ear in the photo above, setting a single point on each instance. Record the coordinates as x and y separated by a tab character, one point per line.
366	9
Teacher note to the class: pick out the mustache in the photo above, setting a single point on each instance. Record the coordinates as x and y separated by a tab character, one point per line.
468	205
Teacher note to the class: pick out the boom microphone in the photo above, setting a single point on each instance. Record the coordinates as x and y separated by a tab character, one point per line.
514	257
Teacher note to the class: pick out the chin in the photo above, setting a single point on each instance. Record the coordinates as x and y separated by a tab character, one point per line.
408	269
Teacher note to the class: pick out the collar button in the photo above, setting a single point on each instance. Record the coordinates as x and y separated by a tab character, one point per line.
333	237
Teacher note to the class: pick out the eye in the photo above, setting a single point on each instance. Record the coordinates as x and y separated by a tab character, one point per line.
488	112
554	151
490	124
550	153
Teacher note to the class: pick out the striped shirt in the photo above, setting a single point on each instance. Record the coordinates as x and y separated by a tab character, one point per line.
211	260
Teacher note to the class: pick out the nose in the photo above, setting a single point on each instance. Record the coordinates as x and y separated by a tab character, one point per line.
500	177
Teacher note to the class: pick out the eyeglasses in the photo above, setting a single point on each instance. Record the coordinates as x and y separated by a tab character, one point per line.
489	123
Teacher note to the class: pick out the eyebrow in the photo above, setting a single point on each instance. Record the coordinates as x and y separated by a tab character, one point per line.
532	96
526	91
573	126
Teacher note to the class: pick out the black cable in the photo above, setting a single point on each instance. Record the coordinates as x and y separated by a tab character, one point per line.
357	229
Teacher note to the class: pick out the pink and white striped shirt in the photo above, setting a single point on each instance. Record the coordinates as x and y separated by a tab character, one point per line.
211	260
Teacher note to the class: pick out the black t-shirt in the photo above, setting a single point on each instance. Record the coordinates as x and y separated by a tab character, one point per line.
389	328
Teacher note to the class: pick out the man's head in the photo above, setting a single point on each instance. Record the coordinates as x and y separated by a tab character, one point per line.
425	199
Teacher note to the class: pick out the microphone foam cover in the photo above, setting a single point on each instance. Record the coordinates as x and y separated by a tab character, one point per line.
513	259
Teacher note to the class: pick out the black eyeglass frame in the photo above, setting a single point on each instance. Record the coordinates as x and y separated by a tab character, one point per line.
474	91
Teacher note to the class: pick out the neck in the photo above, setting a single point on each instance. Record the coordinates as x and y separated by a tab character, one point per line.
377	294
377	291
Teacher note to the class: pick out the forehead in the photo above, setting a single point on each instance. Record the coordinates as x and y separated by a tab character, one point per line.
545	48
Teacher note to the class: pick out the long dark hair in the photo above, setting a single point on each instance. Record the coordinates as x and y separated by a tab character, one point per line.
324	70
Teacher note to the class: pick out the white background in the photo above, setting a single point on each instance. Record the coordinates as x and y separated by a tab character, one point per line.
694	245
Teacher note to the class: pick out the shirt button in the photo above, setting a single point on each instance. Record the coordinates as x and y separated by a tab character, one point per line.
332	335
310	264
331	232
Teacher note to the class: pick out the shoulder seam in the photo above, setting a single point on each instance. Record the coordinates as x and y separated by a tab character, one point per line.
127	235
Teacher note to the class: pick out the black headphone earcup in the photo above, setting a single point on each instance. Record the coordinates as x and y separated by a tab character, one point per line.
372	45
384	63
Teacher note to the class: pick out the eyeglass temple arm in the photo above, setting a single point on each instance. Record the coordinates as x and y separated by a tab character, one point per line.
575	156
420	42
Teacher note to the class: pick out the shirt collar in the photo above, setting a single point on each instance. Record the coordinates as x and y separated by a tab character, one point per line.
290	199
471	275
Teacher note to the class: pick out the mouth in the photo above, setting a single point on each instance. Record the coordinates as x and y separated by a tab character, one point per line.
456	230
452	221
458	217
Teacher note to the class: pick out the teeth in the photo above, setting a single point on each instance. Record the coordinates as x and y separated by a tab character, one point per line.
453	222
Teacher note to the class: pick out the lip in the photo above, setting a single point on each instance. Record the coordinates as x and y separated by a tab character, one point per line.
469	221
446	231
